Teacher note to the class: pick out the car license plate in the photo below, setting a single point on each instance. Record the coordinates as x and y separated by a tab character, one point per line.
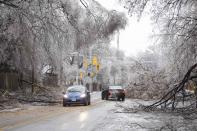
73	99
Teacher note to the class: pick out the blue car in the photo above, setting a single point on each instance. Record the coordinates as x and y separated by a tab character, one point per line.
76	94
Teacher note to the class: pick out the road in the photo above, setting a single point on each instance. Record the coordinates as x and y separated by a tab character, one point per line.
58	118
99	116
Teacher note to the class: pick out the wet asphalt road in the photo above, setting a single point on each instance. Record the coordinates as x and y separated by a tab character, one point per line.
73	118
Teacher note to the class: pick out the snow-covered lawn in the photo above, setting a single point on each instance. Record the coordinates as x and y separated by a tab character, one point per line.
120	119
96	95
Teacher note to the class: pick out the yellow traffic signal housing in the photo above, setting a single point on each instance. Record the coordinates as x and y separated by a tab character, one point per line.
81	75
98	67
85	63
94	60
93	74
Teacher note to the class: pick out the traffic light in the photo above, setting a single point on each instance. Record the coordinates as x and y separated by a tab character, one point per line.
94	60
98	67
85	63
81	75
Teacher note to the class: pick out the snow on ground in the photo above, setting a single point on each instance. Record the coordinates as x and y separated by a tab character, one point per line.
96	95
119	120
14	105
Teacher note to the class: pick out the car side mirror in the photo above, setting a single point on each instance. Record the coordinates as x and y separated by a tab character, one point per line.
63	93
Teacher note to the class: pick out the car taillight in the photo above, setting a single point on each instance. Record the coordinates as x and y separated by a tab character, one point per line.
109	93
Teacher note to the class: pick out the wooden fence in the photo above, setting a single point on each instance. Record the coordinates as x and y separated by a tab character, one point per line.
9	80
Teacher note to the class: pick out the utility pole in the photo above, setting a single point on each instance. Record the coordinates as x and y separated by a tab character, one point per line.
118	40
33	68
91	68
77	78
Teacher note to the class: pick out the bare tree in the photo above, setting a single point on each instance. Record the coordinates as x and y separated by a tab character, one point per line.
35	34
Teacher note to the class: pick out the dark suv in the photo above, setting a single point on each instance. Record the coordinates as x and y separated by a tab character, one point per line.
113	92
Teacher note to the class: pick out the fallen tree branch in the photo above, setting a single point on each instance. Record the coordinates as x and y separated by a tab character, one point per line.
35	84
38	100
171	95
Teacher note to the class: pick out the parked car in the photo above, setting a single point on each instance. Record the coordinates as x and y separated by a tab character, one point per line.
113	92
76	94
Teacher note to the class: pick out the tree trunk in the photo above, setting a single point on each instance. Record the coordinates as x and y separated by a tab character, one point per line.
6	81
33	79
114	79
33	68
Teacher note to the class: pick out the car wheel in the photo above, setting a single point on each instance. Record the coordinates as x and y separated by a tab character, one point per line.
118	99
86	102
89	103
102	97
123	98
64	104
106	98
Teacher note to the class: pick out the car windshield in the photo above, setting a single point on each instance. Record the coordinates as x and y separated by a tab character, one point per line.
76	89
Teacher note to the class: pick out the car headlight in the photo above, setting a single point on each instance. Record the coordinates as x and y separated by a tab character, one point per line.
83	95
65	96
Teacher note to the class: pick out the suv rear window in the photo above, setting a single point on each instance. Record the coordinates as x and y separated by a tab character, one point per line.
115	87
